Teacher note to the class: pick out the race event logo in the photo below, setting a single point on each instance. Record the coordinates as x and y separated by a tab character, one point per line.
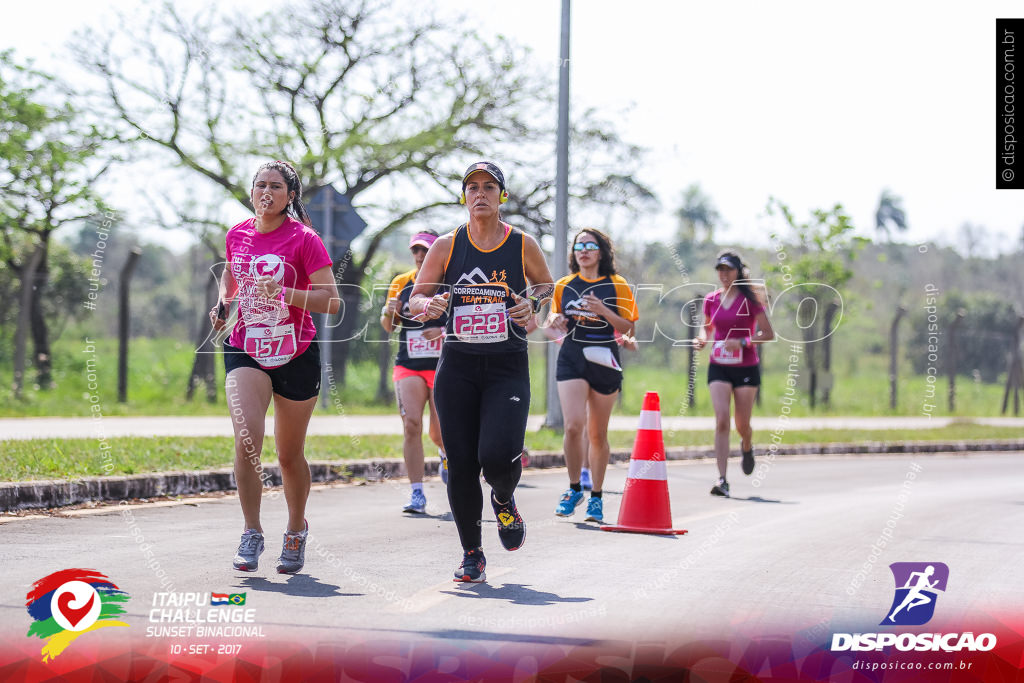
917	588
69	603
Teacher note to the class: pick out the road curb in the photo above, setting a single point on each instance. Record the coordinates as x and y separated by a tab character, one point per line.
59	493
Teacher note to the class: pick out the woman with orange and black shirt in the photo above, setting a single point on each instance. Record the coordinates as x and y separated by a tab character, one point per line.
419	348
590	306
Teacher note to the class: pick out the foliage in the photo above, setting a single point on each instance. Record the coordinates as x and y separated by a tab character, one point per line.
984	339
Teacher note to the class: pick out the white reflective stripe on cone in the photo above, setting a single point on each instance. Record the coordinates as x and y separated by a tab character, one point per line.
648	469
650	419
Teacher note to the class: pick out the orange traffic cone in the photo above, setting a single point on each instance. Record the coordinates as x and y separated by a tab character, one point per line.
645	507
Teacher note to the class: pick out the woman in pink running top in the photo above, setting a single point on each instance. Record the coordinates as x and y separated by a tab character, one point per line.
735	322
279	272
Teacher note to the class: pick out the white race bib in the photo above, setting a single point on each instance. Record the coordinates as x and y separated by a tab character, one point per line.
481	323
419	346
271	346
723	356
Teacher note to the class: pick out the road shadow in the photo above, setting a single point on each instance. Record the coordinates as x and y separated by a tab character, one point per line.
759	499
467	636
514	593
443	517
297	585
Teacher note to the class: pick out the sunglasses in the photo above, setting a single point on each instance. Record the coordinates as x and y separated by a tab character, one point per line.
586	246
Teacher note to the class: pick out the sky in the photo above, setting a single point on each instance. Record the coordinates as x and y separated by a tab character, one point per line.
811	102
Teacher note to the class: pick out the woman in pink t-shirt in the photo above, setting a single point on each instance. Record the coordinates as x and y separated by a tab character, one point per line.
735	321
279	272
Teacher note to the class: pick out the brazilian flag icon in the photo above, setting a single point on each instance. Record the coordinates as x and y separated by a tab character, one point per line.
237	598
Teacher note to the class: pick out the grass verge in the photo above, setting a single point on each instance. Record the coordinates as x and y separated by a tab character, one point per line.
74	458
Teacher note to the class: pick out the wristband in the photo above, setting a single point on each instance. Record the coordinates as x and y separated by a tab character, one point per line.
536	303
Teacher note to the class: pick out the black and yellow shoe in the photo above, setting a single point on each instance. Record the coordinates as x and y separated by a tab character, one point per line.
472	568
511	527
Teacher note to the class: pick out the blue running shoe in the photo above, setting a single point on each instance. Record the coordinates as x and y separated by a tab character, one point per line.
442	469
585	481
595	510
417	503
570	501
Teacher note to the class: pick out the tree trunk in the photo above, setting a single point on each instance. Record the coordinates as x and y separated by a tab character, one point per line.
21	331
124	323
384	393
811	356
346	274
42	358
826	352
894	341
203	364
951	357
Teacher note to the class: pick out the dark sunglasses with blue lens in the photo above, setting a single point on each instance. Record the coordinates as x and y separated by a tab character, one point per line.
586	246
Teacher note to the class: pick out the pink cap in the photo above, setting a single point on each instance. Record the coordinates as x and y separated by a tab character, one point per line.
422	239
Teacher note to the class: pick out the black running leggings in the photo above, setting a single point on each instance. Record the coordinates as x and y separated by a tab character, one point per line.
482	403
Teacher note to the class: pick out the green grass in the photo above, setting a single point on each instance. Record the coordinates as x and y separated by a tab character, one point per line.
74	458
159	368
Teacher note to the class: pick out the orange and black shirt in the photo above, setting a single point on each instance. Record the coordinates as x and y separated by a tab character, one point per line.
414	351
585	326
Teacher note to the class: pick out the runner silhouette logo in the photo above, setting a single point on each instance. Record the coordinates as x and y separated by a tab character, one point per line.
918	585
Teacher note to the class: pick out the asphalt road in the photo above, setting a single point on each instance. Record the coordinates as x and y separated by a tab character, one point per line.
781	556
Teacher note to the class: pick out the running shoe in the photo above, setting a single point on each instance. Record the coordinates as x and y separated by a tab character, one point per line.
293	552
443	467
570	501
247	559
595	510
721	488
585	481
417	503
748	460
511	527
472	568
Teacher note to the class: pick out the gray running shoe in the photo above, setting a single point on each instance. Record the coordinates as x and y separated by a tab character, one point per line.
293	552
247	559
721	488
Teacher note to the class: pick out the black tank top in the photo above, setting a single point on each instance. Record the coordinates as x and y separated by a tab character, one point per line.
481	284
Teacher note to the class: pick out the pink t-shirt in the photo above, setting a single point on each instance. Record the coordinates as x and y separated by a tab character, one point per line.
734	322
271	331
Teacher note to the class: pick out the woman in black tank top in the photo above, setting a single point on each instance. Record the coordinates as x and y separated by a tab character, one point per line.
490	278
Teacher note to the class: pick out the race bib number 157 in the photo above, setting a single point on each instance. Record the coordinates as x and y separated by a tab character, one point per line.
270	346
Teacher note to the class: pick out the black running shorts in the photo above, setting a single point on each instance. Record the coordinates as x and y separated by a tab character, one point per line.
736	375
296	380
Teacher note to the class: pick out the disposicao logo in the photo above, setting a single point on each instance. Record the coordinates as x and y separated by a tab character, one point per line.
71	602
917	587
